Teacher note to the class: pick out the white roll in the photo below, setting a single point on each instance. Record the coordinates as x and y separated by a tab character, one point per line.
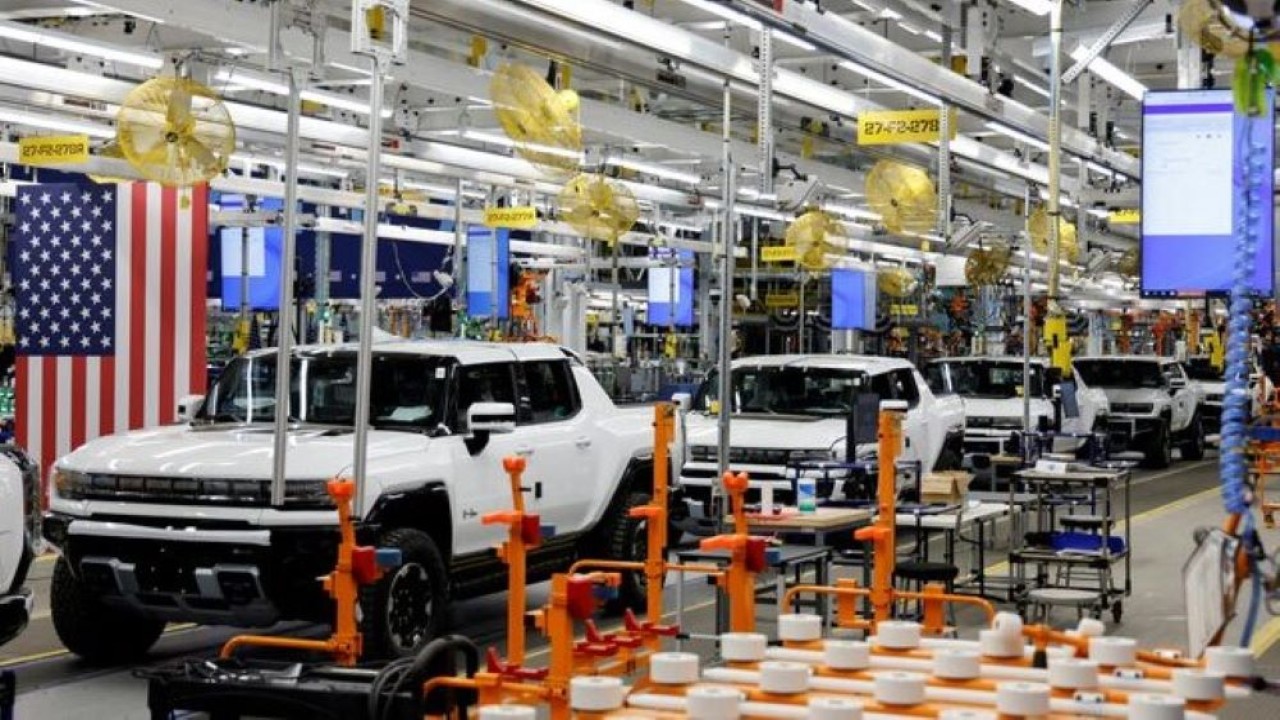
508	712
743	647
673	668
1091	627
957	664
1156	707
1073	674
1113	651
799	627
833	708
963	714
898	635
596	693
1234	662
1022	699
784	678
846	655
1201	685
899	688
714	703
1007	622
995	644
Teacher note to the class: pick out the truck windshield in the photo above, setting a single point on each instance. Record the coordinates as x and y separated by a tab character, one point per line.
407	391
1120	373
997	380
787	390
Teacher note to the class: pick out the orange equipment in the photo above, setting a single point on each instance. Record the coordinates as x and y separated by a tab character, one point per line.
357	565
524	531
883	534
746	557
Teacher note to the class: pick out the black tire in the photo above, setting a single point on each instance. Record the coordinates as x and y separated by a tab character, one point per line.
627	538
1193	448
405	609
1159	448
96	632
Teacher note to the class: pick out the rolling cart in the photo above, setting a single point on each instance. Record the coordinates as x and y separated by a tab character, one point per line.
1071	556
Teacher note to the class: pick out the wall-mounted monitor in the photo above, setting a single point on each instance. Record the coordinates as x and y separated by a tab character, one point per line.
671	289
1194	146
853	299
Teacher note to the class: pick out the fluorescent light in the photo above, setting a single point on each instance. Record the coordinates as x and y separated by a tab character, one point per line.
888	81
723	11
1033	87
1035	7
654	170
889	14
933	35
794	41
72	44
279	163
1098	168
504	141
255	81
853	213
758	212
1018	135
908	28
61	124
1106	70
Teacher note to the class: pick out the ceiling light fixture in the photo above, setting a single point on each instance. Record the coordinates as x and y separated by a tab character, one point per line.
279	164
659	171
853	213
1018	135
504	141
255	81
723	11
61	124
72	44
1035	7
883	79
1108	71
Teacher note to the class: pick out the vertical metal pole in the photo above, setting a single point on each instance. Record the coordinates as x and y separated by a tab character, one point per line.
944	150
459	256
1054	211
244	271
368	301
764	143
284	338
1027	329
728	232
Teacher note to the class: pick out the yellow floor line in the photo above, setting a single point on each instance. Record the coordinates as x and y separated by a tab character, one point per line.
1266	637
48	654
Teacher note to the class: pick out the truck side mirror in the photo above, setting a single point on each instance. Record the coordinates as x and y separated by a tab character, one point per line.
485	419
1177	383
188	407
683	401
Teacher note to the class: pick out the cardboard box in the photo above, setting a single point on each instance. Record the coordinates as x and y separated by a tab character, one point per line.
949	486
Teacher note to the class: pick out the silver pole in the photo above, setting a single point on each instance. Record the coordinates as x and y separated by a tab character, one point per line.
459	254
1054	211
368	305
1027	345
728	228
284	336
764	130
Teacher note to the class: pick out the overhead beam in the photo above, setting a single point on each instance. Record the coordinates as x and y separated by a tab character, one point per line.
1104	41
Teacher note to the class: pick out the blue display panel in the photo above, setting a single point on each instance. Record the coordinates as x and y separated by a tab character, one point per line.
671	289
263	247
1194	145
488	272
853	299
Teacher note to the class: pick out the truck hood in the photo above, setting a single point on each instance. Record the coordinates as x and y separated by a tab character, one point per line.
1005	407
1128	396
775	432
240	452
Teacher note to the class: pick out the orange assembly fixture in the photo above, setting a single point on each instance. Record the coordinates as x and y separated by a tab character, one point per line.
883	534
522	531
746	557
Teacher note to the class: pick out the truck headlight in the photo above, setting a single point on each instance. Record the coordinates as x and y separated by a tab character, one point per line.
69	484
311	494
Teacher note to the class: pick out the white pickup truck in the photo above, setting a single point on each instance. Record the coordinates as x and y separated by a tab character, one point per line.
19	531
992	389
1154	406
792	409
176	524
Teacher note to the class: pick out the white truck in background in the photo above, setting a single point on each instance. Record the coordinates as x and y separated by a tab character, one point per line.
992	389
19	534
175	524
1154	405
790	409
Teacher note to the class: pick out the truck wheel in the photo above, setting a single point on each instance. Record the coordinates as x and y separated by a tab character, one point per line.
1193	449
404	610
96	632
627	538
1159	450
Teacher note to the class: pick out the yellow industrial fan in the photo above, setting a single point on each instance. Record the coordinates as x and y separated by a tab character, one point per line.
986	266
1206	24
597	207
1127	263
904	197
175	131
110	150
1038	229
811	236
541	121
896	282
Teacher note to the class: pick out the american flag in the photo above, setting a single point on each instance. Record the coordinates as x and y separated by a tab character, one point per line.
110	325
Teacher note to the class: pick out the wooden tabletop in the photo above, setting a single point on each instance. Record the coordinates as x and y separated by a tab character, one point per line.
822	518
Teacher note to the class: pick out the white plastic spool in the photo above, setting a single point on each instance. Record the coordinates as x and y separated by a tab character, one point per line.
1022	699
964	714
508	712
596	693
956	664
1091	628
899	688
1234	662
743	647
1201	685
996	644
832	708
1073	674
846	655
1157	707
898	635
784	678
673	668
714	703
1113	651
799	627
1007	622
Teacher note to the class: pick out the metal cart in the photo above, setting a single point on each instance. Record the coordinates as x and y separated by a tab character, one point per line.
1070	557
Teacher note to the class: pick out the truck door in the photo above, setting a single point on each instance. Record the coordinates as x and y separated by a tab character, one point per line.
559	438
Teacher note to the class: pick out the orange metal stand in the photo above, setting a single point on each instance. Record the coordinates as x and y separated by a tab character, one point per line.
883	534
522	531
746	557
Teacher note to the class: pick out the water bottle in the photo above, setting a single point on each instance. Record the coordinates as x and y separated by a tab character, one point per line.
806	494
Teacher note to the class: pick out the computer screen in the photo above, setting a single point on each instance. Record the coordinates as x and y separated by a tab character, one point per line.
1193	151
261	266
853	299
671	289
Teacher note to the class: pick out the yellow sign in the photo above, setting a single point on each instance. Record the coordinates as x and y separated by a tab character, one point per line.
886	127
778	253
53	149
1124	216
520	218
904	310
782	300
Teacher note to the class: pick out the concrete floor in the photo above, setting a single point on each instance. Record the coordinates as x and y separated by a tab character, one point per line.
1168	506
